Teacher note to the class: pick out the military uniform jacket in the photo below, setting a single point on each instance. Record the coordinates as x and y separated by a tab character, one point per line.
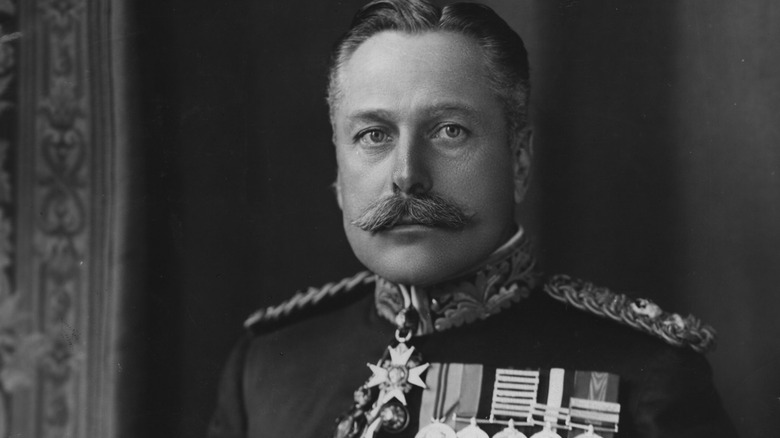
297	378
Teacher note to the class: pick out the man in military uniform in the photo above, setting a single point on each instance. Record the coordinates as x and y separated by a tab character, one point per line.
451	332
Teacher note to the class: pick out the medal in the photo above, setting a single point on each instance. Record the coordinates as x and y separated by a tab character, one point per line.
352	423
381	401
396	376
472	431
510	431
394	417
547	432
588	433
436	429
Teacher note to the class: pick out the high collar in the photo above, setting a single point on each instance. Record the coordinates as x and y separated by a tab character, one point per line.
505	277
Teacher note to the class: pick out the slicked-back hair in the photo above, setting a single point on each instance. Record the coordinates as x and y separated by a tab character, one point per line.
506	59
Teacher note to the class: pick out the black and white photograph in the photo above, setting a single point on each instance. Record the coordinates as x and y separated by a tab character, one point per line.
389	219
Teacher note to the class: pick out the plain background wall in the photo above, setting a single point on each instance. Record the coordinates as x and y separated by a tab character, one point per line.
727	114
655	171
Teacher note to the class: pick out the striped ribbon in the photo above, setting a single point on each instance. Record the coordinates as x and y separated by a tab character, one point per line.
569	401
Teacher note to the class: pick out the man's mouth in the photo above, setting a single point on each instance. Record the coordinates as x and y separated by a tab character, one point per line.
404	221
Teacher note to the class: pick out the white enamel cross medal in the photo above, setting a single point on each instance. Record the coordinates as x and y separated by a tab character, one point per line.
396	376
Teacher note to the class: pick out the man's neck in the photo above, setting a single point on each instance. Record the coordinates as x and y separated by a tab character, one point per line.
503	278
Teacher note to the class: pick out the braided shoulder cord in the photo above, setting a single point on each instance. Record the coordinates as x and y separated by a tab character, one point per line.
310	297
640	314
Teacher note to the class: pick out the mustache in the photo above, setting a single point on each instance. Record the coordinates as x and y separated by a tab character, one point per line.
428	209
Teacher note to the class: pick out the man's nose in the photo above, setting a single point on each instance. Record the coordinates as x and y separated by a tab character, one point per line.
411	170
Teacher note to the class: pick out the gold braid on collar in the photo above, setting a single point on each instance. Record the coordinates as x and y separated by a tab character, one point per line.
506	277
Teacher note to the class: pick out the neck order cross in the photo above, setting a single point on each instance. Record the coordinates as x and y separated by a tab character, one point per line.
381	401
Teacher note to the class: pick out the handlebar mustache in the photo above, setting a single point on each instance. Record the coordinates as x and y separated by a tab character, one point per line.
427	209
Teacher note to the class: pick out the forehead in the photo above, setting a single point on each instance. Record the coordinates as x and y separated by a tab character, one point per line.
394	69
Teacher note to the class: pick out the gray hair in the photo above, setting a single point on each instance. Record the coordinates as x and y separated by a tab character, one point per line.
505	56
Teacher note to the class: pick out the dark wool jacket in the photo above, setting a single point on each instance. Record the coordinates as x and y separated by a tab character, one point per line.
296	379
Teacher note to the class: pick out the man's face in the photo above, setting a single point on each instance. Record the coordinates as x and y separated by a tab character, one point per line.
417	117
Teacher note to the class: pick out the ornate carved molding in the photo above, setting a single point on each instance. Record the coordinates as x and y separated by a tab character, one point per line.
8	95
8	98
65	179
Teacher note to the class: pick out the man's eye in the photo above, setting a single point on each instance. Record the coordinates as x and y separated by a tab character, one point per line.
372	136
450	131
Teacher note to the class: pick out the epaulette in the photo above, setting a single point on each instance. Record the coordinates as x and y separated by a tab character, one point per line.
642	314
306	300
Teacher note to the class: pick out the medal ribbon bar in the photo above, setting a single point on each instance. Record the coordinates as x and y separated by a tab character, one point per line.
562	403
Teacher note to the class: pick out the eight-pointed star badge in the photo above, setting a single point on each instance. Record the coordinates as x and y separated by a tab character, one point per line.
397	375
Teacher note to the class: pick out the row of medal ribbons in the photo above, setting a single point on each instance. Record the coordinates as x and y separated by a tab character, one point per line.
530	401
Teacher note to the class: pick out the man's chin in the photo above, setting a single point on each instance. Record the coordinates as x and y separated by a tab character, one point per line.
419	266
416	254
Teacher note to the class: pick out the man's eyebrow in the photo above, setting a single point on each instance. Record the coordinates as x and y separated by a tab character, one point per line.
371	114
451	107
436	109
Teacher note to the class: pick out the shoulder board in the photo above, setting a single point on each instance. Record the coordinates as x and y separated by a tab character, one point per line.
641	314
305	300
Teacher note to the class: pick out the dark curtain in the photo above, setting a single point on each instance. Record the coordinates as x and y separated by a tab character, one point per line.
655	171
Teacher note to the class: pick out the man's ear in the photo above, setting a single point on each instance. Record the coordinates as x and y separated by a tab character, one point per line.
336	185
337	190
522	150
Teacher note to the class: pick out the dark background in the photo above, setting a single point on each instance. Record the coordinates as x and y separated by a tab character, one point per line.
655	171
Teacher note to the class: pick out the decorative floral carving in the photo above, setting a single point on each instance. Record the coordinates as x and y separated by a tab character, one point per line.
62	13
61	193
18	350
21	352
7	121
